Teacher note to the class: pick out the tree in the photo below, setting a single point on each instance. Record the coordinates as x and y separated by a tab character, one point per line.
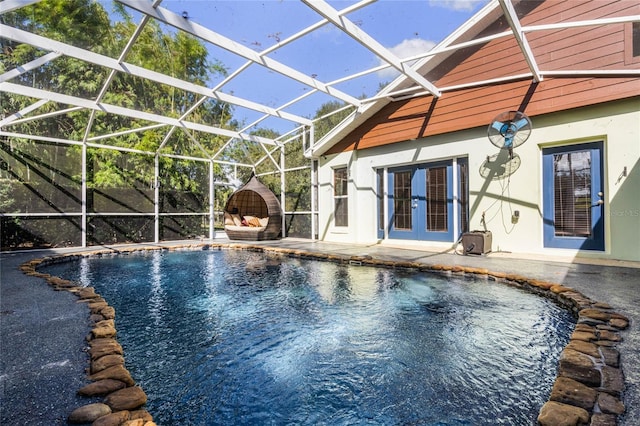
328	116
85	24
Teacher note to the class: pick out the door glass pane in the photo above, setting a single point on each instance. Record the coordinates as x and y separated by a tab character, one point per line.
437	211
402	200
340	196
572	184
341	211
340	182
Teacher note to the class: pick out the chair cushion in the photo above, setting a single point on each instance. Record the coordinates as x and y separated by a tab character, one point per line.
228	220
237	220
252	221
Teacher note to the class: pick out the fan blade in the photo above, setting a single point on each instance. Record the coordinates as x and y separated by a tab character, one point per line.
497	125
508	141
521	123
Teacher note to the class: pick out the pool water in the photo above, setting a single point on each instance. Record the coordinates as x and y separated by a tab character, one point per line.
236	337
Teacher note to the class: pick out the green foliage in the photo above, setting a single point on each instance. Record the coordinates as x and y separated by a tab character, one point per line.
82	23
86	24
6	201
324	125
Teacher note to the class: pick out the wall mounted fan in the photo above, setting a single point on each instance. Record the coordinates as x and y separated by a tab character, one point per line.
500	166
509	130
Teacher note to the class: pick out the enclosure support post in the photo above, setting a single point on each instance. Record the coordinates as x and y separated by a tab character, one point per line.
212	193
314	188
156	199
83	223
283	198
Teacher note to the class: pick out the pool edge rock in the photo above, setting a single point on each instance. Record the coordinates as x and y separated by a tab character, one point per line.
122	398
587	390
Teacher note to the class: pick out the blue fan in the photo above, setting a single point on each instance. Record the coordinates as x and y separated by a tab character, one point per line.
509	130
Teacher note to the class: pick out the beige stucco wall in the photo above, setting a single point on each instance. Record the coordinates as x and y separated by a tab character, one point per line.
616	124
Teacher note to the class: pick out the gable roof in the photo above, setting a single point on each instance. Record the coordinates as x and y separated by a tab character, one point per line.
535	56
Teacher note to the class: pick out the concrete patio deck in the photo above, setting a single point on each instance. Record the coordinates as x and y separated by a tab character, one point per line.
42	331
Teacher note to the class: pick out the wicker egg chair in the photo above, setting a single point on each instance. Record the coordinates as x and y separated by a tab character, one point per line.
253	213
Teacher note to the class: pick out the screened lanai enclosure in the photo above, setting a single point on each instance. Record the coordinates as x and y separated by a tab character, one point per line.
120	124
58	194
135	120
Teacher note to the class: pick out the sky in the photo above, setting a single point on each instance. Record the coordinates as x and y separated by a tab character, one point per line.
405	27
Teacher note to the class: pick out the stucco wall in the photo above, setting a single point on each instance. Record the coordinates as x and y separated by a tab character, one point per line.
616	124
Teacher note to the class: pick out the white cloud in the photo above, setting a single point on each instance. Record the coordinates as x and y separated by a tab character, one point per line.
457	5
406	49
414	46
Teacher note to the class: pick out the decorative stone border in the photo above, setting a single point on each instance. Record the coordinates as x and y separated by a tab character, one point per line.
122	398
587	389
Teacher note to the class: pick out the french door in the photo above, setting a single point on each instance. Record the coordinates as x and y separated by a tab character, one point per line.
573	198
420	202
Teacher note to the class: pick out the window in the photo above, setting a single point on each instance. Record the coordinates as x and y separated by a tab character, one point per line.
437	200
403	217
635	39
340	197
632	43
572	195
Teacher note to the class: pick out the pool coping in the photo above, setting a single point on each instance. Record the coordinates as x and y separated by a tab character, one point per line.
587	389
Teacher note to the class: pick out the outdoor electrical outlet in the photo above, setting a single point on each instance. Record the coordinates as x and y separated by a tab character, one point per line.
515	216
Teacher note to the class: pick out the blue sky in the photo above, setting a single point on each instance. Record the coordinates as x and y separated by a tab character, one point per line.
403	26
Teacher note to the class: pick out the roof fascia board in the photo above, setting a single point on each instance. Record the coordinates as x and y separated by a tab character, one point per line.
370	43
91	105
101	60
170	18
521	38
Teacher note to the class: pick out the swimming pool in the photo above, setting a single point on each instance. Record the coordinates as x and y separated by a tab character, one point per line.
217	337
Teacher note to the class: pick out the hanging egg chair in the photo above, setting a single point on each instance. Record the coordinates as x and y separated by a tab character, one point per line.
253	213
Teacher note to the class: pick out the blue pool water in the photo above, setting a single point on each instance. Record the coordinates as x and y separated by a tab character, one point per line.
235	337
